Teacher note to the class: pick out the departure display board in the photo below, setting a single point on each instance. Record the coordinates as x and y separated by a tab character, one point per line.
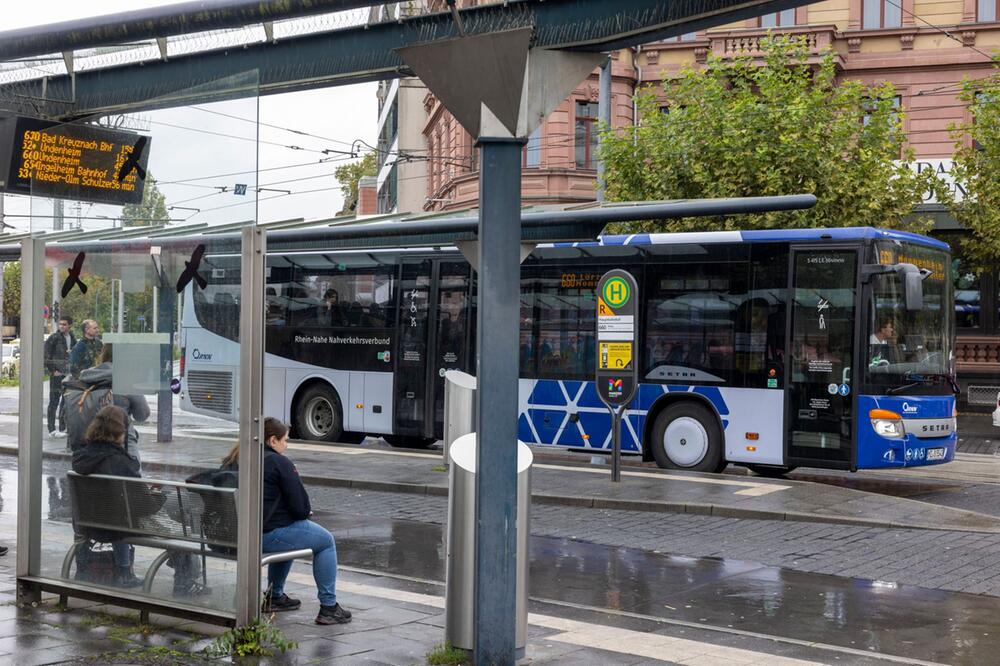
72	161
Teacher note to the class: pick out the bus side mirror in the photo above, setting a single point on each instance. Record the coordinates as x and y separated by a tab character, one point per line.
913	285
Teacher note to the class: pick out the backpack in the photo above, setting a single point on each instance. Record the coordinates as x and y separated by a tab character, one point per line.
82	402
218	518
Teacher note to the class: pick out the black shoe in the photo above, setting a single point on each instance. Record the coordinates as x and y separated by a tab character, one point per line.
192	589
3	550
280	604
125	578
335	614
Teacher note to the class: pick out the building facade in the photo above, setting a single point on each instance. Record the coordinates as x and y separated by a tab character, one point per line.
924	48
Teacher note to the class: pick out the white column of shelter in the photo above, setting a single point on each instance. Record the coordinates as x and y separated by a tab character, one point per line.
499	89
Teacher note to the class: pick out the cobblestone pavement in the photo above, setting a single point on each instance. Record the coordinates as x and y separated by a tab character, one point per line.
955	561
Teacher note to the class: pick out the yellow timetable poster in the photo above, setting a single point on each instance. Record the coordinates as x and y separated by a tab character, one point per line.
615	355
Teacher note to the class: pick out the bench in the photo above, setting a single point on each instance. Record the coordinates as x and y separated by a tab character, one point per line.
174	516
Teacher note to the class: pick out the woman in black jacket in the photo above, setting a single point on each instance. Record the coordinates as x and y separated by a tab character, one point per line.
286	511
105	454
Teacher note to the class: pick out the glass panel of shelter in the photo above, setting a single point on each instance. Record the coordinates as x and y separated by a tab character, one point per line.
122	414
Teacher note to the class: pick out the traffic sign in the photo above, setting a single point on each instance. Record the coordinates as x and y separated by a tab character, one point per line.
616	369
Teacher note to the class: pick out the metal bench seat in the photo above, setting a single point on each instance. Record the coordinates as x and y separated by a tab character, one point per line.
170	515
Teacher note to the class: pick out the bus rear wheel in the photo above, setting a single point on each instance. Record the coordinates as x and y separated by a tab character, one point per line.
409	441
319	415
686	436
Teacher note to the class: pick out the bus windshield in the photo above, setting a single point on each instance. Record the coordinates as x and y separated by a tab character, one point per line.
910	346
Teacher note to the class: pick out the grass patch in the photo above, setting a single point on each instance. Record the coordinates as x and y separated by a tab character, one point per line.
260	638
447	655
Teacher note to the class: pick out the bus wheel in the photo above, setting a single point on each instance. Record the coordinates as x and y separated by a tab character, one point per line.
409	441
770	471
686	436
319	415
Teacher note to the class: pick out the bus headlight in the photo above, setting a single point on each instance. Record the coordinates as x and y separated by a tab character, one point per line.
887	424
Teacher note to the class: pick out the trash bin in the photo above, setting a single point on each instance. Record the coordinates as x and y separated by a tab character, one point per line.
459	407
461	552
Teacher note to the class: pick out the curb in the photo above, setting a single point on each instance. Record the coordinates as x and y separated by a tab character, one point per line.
694	508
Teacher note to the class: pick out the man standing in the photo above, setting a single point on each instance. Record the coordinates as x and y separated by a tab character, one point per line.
57	351
87	350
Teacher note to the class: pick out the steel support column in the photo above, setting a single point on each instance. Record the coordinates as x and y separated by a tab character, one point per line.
496	400
251	426
165	312
29	428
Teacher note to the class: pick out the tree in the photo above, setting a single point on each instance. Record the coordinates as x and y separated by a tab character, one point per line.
348	176
977	167
11	291
739	129
152	209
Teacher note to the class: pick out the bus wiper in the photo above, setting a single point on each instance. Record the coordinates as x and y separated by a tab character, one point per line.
915	379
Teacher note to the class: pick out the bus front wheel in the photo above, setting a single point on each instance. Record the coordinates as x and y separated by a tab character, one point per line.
319	415
686	436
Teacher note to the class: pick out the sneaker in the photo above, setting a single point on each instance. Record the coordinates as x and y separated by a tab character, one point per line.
192	589
58	434
280	604
335	614
3	550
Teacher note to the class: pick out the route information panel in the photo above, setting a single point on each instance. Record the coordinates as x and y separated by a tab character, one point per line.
70	161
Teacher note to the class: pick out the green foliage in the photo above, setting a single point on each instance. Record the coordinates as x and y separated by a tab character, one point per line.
258	639
447	655
977	167
11	290
735	128
152	210
348	176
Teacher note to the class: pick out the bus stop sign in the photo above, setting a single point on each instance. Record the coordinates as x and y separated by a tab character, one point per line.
616	367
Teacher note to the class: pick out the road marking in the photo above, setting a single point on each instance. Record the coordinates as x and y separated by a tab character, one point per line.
749	487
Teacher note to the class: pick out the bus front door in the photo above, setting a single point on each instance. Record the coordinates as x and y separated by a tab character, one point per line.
821	349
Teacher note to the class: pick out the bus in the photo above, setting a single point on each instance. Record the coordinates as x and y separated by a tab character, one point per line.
771	349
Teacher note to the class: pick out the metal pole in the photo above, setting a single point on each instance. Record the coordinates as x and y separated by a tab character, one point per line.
496	399
121	306
163	310
29	428
57	225
251	426
604	113
616	444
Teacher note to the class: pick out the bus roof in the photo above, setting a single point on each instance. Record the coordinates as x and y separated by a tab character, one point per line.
765	236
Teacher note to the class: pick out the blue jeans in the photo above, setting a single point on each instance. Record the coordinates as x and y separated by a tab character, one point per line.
298	535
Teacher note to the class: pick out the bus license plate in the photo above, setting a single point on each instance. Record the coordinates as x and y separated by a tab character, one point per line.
935	454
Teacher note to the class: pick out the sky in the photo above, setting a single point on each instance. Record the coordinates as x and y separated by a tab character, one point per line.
273	142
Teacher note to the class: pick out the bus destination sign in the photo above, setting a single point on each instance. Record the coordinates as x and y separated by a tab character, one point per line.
617	296
68	161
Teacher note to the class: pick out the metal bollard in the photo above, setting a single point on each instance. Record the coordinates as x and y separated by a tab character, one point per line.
459	407
461	552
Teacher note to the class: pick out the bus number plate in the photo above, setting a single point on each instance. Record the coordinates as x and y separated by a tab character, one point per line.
935	454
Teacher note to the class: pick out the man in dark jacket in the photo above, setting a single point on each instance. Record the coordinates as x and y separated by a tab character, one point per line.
104	454
86	352
57	349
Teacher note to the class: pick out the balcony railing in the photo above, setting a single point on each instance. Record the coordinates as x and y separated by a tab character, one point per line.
747	43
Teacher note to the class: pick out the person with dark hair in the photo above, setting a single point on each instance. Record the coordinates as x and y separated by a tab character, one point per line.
86	350
92	391
105	454
286	511
57	350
